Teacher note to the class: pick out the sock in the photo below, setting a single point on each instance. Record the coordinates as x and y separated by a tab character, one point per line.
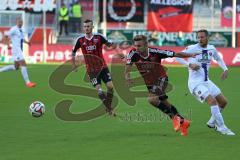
7	68
25	74
170	111
212	119
217	115
103	97
109	97
175	112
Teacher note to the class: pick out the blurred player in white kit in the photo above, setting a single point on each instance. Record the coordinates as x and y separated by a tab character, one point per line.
16	36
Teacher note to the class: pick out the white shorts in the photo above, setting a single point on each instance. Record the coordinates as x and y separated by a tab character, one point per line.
17	55
203	90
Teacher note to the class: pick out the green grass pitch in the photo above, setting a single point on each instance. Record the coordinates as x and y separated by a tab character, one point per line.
149	136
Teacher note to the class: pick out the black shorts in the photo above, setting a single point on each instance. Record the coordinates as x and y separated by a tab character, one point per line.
159	88
96	78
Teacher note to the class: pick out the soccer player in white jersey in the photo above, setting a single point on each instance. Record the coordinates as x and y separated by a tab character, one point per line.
16	36
199	83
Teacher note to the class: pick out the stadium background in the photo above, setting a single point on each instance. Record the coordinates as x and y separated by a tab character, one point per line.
121	26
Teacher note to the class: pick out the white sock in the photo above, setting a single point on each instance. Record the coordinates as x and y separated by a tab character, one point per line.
212	119
217	115
25	74
7	68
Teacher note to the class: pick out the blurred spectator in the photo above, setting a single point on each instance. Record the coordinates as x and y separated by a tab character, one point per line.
76	17
63	19
153	38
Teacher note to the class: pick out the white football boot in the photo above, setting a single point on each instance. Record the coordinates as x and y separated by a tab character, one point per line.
225	131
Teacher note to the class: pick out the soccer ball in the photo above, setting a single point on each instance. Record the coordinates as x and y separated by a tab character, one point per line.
37	109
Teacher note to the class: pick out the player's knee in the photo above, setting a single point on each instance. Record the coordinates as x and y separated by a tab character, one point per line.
109	86
153	100
223	103
211	101
17	67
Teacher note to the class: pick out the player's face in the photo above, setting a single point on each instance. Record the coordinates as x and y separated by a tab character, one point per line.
88	27
140	46
19	23
202	39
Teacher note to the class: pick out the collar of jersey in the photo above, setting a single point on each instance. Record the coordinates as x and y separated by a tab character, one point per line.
88	38
142	56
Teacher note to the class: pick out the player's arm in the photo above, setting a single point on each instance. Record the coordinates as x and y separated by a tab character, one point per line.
7	41
127	75
129	62
106	41
74	51
182	61
185	55
222	64
109	43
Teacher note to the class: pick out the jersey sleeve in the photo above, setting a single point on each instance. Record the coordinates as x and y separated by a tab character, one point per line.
76	47
162	53
105	40
131	58
188	49
11	32
219	60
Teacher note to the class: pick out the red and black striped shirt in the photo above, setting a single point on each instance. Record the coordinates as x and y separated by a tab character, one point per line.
150	66
92	51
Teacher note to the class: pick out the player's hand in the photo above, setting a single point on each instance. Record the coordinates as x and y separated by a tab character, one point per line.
224	75
74	65
194	67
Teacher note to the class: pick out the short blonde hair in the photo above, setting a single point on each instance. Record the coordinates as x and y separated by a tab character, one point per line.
140	38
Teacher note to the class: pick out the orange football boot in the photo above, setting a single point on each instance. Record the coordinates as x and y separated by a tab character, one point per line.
176	123
31	84
184	127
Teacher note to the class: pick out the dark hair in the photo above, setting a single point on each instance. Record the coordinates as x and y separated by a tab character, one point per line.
87	21
140	38
204	31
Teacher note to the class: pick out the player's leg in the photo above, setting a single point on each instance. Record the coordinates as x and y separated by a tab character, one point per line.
7	68
15	66
218	116
179	122
202	92
221	100
107	79
101	94
24	72
166	107
96	82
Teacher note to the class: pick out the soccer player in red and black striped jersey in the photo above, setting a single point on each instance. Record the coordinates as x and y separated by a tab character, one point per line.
148	63
97	70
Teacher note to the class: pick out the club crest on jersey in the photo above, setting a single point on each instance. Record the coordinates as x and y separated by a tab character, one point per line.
91	48
95	40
